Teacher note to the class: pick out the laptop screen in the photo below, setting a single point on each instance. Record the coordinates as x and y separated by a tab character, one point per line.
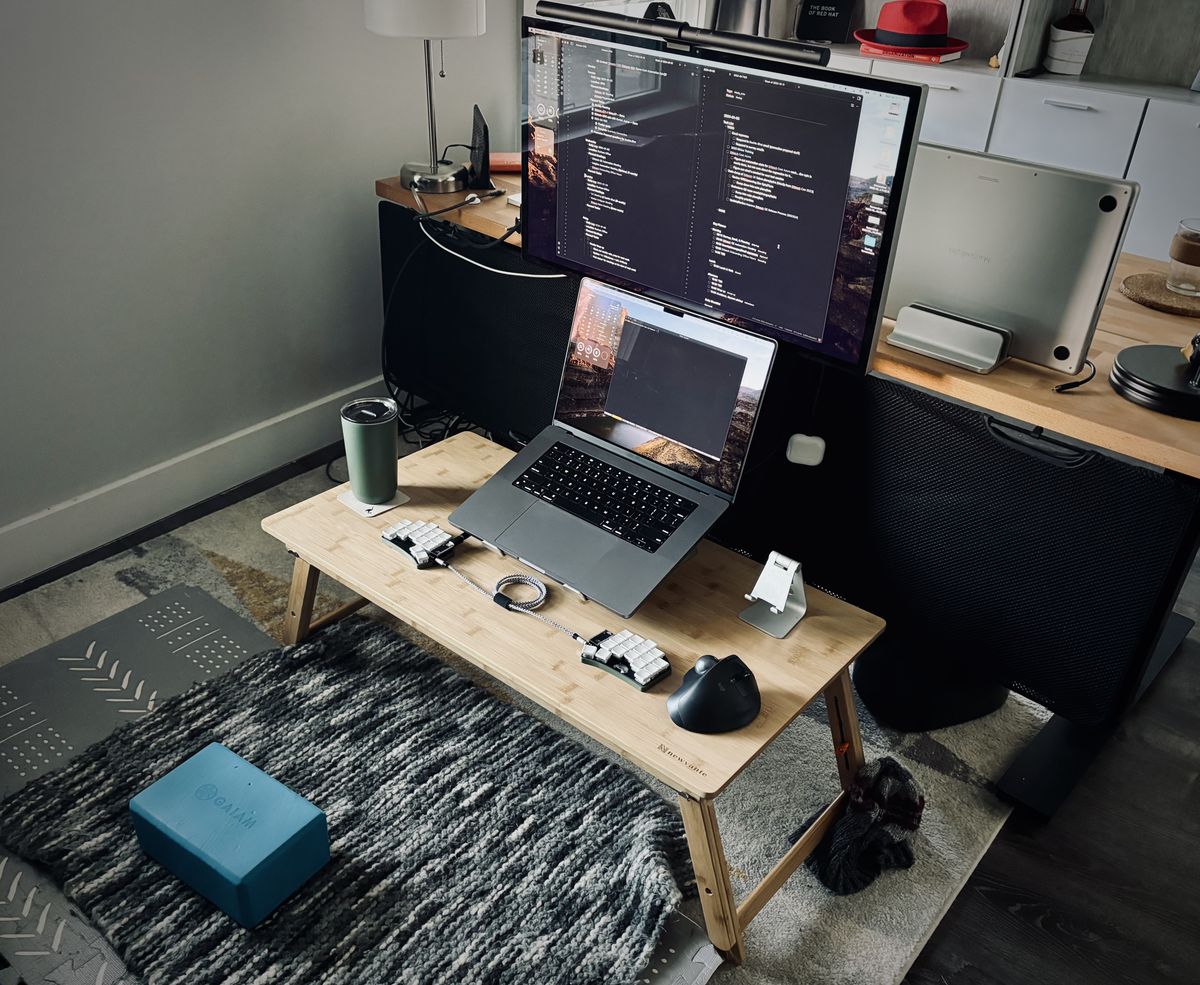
676	389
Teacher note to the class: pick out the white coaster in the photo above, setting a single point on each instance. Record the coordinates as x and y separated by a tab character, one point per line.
371	509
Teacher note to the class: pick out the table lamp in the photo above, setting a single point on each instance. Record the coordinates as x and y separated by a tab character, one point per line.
431	20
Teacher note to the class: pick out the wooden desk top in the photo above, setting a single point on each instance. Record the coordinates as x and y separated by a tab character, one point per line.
492	217
1094	413
695	611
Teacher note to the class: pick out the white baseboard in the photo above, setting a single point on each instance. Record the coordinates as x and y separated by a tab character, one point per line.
54	535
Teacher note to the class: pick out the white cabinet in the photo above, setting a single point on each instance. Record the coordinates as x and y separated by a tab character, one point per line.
1066	126
960	103
1166	163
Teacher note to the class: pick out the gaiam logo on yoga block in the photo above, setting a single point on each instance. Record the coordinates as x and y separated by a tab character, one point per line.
208	792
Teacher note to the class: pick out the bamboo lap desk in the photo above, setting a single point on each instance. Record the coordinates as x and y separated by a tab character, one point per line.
695	611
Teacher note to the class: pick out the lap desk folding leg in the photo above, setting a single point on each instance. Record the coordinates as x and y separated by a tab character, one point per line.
694	611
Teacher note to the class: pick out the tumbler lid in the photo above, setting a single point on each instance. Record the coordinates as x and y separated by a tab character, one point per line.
370	410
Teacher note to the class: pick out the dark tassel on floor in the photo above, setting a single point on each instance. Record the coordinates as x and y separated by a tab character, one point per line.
884	809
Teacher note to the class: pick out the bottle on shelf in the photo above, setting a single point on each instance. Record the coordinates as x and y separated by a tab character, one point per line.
1077	19
1070	40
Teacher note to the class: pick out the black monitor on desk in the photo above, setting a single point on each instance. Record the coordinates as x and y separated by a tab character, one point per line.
761	192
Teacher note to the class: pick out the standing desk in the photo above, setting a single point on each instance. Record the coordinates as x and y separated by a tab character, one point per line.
1093	415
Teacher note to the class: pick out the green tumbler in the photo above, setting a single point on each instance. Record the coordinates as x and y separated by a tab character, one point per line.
369	430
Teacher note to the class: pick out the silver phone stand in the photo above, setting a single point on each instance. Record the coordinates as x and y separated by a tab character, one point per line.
778	597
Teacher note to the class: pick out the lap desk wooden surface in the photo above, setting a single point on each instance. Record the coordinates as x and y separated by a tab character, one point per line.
695	611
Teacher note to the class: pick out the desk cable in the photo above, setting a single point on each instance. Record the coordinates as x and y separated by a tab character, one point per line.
1072	384
483	266
624	654
426	544
472	199
469	201
513	605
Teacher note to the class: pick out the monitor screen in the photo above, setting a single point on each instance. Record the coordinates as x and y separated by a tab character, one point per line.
678	390
755	191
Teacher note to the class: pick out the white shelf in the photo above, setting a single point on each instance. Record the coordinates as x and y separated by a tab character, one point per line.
978	66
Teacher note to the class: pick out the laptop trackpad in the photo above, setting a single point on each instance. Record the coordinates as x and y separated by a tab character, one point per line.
553	539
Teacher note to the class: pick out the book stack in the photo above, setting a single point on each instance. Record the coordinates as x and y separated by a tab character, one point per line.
875	51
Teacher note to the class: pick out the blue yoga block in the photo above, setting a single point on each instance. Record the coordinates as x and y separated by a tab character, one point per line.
234	834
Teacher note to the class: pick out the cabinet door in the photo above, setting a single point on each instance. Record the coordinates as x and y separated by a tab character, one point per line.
1066	126
960	103
1166	163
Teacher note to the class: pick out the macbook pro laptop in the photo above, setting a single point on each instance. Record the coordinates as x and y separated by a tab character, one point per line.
655	413
1023	247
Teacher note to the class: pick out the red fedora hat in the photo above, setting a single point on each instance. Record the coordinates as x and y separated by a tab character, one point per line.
916	26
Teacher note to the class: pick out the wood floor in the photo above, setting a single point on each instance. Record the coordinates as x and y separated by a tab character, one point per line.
1108	890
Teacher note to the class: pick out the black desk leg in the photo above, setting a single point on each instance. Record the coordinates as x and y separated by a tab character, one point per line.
1174	632
1048	768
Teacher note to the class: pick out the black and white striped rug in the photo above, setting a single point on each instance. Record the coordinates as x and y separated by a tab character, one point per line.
471	843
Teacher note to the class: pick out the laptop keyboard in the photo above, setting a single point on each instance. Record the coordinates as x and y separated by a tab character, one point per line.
633	509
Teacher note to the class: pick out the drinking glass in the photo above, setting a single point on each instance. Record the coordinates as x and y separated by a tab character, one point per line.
1183	276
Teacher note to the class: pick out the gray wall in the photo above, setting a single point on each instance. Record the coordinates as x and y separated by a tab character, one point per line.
187	218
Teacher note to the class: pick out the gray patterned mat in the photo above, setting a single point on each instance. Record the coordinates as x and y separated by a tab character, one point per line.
57	701
44	939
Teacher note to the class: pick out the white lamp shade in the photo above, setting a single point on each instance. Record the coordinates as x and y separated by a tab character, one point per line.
425	18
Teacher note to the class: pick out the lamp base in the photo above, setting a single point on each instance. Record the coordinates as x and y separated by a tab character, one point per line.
443	178
1156	376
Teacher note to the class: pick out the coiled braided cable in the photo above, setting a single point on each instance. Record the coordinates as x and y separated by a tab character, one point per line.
511	604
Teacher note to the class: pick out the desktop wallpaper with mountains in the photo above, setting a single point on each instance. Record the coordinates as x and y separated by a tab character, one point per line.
591	363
